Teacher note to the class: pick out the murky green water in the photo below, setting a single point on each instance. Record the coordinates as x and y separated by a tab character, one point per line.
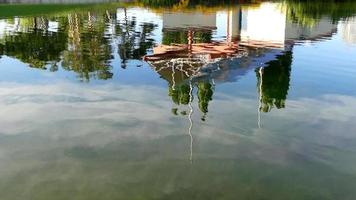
180	101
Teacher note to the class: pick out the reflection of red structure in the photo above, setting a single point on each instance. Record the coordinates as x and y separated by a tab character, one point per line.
207	51
178	62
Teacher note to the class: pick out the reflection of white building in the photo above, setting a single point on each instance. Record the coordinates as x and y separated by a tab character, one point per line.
268	24
348	29
324	28
265	25
189	20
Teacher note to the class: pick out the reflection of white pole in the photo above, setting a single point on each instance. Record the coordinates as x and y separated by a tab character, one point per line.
260	71
190	120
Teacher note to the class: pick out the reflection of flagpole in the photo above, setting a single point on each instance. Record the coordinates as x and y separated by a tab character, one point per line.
190	120
260	71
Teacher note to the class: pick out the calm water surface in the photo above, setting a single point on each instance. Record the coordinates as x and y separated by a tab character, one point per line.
129	101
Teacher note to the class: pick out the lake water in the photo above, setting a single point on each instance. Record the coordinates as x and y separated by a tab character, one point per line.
182	101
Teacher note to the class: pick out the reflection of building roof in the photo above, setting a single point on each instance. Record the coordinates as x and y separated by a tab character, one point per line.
232	69
177	70
178	62
208	51
262	44
176	65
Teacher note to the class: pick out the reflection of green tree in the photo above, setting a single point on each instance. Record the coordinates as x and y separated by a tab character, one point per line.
90	51
37	47
309	12
275	82
178	37
181	96
134	43
181	37
81	43
205	95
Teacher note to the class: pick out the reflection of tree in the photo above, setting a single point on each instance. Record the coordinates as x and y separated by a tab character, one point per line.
134	43
181	96
37	46
89	50
82	42
273	82
205	95
309	12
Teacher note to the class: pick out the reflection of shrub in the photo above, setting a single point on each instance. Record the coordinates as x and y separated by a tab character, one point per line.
205	94
181	37
180	94
178	37
35	47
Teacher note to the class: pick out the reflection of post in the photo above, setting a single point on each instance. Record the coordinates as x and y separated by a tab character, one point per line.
233	24
260	71
228	36
190	40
